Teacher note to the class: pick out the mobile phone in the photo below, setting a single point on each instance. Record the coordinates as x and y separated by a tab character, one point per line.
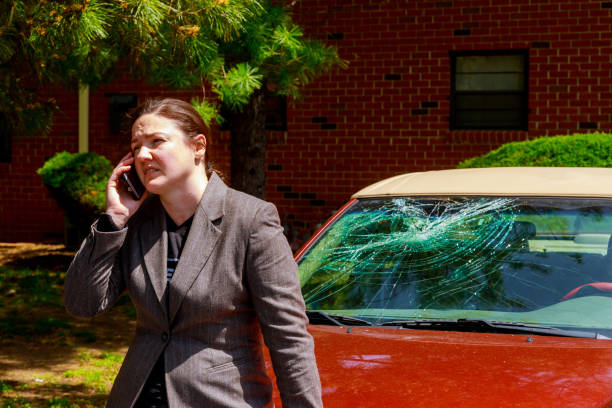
133	183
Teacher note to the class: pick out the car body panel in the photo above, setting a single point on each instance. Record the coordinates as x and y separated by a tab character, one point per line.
388	367
376	367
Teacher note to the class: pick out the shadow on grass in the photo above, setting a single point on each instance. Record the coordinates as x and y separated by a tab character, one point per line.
17	394
55	260
42	348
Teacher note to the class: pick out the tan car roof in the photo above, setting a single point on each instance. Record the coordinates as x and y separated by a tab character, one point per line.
498	181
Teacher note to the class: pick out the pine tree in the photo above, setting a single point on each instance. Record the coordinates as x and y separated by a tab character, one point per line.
241	49
272	57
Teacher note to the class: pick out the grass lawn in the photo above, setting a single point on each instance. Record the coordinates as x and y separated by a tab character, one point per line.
48	358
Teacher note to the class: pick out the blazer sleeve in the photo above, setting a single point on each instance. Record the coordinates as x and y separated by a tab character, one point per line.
275	290
94	280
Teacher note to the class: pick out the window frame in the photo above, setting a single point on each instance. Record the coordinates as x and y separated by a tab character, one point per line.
523	111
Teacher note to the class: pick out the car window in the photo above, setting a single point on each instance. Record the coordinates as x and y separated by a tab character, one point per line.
500	258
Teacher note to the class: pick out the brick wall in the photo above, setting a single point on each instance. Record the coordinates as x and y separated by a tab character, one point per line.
387	113
27	211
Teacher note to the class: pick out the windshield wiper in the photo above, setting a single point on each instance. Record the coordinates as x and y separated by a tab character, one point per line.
319	317
489	326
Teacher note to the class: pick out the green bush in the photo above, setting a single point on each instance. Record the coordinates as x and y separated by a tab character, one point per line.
78	182
577	150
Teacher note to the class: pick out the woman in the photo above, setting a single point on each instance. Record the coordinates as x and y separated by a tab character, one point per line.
208	270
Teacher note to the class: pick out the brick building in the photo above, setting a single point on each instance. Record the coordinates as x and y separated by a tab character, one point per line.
429	83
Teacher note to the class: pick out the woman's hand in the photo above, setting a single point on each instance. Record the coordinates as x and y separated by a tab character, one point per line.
120	204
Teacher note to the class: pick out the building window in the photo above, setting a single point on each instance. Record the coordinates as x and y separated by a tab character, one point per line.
276	112
275	107
118	106
5	140
489	89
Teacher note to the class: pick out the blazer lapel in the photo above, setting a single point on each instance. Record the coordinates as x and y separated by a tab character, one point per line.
201	241
154	246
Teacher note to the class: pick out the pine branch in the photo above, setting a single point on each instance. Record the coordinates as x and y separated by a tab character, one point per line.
235	45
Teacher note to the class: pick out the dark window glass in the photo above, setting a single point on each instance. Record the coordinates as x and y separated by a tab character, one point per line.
118	106
489	90
5	140
275	109
276	112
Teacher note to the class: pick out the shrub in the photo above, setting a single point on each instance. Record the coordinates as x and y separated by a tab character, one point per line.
78	182
577	150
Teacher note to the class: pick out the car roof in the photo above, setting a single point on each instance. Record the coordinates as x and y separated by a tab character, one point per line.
498	181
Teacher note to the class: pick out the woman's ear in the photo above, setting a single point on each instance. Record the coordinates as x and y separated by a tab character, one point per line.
199	144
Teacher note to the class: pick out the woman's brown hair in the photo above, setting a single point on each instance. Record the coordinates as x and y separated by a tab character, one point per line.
183	114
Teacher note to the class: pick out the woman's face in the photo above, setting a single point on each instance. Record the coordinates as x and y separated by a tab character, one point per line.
163	155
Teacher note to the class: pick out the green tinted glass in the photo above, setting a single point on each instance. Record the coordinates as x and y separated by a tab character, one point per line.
500	258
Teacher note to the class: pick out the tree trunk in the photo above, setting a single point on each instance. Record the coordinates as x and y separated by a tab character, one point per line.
248	147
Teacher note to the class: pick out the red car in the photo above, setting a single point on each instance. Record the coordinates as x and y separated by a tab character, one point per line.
466	288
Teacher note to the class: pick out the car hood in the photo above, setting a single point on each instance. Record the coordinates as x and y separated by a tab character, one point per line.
387	367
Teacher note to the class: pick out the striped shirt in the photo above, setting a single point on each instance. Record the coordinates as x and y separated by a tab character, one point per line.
177	235
172	262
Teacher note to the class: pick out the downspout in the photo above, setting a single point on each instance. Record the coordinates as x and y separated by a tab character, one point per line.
72	233
83	118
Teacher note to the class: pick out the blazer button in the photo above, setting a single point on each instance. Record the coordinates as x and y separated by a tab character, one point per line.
164	337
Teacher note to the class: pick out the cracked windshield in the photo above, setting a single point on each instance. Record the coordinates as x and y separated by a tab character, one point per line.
528	260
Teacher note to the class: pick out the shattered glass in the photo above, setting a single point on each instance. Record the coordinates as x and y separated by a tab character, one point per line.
389	258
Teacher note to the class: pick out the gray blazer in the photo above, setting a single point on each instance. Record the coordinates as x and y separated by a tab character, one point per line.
236	280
